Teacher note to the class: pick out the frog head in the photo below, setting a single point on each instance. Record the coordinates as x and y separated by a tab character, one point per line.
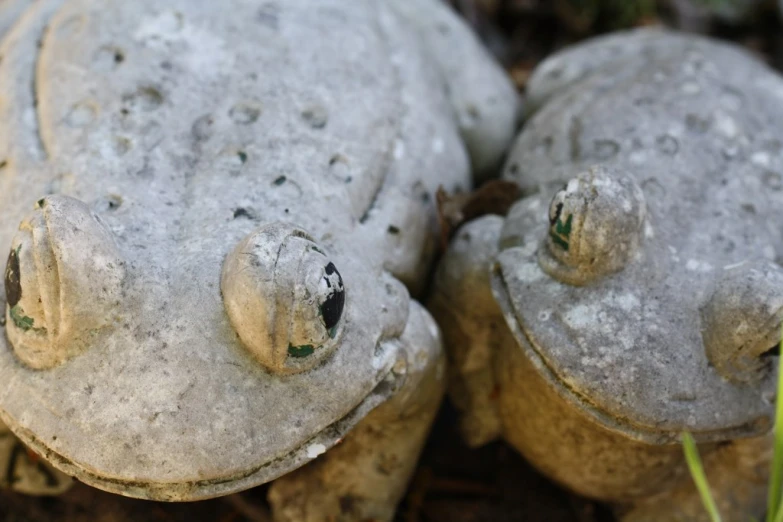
194	378
632	315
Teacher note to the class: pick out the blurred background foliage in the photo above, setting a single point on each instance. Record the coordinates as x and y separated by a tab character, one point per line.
522	32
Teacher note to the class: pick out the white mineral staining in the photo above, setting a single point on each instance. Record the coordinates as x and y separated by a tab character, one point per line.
314	450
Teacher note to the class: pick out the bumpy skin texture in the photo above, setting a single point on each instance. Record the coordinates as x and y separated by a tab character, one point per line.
637	281
20	469
219	205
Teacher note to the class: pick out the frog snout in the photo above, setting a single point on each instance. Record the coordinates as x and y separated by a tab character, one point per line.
284	297
63	277
596	225
741	322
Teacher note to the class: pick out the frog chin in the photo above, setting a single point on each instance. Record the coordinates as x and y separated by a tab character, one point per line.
536	355
202	489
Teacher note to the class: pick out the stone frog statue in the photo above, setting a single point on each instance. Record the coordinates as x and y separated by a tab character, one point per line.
214	212
21	470
635	291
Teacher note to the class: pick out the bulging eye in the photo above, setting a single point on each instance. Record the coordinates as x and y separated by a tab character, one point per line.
333	300
285	298
741	322
62	279
595	226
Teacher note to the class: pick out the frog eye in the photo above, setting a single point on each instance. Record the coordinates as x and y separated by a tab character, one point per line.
63	277
741	322
595	226
284	297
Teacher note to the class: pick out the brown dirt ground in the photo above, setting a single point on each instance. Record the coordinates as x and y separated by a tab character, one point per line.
452	483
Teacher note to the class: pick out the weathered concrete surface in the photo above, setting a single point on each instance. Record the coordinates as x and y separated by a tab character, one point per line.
639	278
155	139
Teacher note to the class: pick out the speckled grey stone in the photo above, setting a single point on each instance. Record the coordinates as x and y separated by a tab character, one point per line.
639	277
161	156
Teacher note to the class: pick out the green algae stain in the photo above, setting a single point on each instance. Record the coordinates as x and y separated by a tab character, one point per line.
559	241
565	229
300	351
21	320
562	232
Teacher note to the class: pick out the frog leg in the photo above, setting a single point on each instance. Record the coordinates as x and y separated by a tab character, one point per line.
365	476
738	473
484	100
472	325
23	471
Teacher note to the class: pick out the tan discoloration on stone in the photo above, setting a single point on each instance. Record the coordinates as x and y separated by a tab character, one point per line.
657	317
219	169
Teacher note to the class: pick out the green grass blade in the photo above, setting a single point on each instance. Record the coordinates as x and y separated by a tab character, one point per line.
699	478
779	516
774	512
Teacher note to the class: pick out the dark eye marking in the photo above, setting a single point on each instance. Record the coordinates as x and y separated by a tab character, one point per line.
13	284
562	233
556	217
332	307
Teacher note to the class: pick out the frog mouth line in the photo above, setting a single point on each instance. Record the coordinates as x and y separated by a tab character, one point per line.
187	491
568	393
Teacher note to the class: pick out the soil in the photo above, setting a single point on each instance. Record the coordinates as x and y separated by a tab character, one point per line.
454	483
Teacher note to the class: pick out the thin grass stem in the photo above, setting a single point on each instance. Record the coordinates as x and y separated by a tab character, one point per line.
698	475
774	511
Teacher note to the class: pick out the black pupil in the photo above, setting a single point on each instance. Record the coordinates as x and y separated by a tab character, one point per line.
332	307
558	211
13	286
